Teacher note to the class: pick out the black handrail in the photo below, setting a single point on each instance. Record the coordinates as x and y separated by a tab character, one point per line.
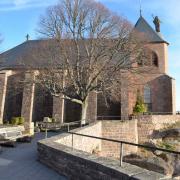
140	114
128	143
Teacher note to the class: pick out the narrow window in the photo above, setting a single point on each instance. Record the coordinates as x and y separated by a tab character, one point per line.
147	97
154	59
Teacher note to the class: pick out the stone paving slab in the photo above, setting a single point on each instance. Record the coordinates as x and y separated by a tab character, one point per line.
20	163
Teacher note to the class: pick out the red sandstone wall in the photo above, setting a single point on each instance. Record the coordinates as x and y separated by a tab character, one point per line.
123	131
118	130
147	124
161	92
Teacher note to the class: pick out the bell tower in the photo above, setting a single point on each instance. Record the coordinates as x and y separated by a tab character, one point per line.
155	41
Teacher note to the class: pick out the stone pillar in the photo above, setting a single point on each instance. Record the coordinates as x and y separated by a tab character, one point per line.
92	107
28	100
58	109
173	82
3	88
124	99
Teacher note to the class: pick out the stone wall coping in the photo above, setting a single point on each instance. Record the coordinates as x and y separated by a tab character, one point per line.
118	121
108	165
58	137
84	127
149	115
152	117
166	115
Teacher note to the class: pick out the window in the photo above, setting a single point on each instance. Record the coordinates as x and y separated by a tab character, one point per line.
147	58
147	97
154	59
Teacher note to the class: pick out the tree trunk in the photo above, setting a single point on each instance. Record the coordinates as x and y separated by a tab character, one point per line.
84	112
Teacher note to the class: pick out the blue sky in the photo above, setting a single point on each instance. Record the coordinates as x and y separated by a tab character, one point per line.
19	17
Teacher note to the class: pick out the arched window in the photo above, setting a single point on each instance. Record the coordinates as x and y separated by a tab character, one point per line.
147	97
147	57
154	59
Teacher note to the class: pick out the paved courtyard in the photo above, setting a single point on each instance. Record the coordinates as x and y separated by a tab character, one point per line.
21	163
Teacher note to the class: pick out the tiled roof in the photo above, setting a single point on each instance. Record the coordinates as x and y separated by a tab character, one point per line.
21	56
152	36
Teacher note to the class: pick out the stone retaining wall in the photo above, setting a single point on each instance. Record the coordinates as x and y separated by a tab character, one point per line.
84	143
80	165
118	130
122	131
147	124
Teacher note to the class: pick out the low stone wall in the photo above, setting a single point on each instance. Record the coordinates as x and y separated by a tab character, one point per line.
84	143
118	130
80	165
147	124
122	131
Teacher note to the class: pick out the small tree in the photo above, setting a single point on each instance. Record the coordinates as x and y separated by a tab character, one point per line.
140	107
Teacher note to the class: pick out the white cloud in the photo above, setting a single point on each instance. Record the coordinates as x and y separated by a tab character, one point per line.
20	2
12	5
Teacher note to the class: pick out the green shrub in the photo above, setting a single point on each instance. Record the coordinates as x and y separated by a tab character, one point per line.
140	107
15	121
21	120
166	145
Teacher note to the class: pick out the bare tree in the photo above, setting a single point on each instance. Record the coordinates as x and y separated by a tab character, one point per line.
90	51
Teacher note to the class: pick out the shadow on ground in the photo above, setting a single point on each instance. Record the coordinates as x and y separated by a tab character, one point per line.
20	163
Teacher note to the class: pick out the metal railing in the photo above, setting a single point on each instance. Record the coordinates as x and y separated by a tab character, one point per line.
122	143
60	125
71	124
113	117
130	117
160	113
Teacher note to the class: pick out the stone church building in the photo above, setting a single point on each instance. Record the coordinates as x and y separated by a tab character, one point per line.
158	89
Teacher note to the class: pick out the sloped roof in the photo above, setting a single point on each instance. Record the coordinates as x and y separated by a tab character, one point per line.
13	57
21	56
152	36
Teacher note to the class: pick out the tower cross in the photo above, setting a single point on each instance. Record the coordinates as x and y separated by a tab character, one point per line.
140	7
27	37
